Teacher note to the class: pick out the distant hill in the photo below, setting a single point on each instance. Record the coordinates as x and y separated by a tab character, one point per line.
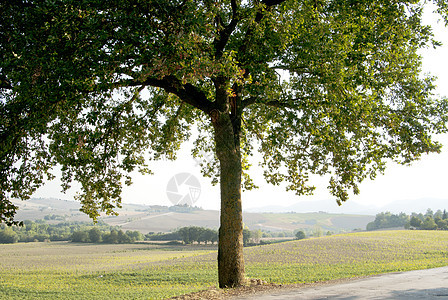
351	207
163	219
329	206
38	208
307	221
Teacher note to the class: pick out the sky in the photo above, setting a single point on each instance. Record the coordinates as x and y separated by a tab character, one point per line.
425	178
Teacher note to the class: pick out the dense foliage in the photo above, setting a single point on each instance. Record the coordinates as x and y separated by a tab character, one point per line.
188	235
428	221
41	230
114	236
388	220
300	235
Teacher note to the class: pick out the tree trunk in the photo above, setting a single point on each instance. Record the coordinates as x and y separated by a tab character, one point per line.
230	245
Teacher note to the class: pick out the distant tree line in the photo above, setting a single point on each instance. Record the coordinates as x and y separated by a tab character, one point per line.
95	235
188	235
388	220
87	232
194	234
430	220
427	221
183	208
180	208
41	231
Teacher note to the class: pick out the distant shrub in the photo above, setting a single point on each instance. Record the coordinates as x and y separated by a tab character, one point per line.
300	235
80	237
8	236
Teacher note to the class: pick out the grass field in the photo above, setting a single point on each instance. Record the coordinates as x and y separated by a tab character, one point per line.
75	271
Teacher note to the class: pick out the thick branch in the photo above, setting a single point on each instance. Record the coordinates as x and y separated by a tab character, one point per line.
221	40
188	93
221	97
249	101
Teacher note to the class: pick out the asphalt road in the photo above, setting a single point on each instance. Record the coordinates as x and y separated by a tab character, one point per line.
421	284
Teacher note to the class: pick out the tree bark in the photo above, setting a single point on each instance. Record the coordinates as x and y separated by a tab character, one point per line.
230	245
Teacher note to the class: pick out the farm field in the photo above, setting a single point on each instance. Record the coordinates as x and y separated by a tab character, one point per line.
145	271
149	219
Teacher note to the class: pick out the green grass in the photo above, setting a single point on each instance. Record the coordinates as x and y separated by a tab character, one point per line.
74	271
352	255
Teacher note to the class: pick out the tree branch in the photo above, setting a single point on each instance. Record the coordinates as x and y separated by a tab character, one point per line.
5	83
188	93
280	104
260	137
298	70
221	40
258	17
249	101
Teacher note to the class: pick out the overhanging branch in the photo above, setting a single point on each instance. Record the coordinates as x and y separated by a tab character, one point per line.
187	92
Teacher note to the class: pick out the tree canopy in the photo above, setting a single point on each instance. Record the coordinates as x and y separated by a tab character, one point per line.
103	87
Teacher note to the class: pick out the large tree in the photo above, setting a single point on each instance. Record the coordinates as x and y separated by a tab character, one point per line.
100	87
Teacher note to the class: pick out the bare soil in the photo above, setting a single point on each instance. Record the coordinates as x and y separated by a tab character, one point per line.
254	286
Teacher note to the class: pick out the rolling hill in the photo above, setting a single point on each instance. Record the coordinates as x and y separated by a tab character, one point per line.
164	219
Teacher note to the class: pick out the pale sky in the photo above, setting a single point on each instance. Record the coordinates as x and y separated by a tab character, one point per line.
423	179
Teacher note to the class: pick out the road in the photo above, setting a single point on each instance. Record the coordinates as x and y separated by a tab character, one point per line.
421	284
